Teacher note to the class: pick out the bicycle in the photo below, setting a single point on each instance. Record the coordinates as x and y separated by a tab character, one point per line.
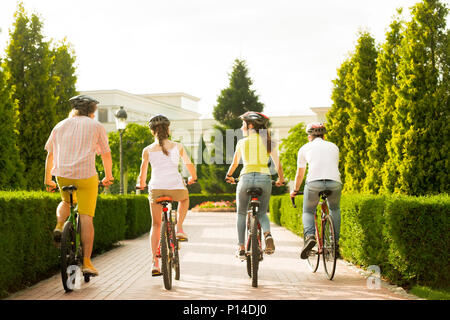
325	237
71	247
254	252
168	248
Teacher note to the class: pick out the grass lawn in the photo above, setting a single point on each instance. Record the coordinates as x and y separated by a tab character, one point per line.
430	293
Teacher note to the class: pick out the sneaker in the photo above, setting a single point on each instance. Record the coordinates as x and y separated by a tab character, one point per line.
88	268
181	236
240	254
310	242
58	232
270	246
156	271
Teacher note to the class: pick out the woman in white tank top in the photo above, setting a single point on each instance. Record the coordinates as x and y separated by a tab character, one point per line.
164	156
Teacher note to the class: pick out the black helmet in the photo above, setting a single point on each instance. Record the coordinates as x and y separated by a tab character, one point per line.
255	117
157	120
81	101
316	129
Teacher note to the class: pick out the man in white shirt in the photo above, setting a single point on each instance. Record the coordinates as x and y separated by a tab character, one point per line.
322	158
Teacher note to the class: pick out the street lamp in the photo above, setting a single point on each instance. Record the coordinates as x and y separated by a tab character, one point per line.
121	123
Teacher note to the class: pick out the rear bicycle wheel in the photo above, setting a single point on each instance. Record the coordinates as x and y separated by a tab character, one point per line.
255	252
166	261
329	248
314	257
176	256
67	259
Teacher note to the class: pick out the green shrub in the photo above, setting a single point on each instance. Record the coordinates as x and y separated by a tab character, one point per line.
27	220
407	237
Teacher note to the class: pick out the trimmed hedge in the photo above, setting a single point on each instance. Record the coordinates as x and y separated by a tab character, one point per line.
27	220
407	237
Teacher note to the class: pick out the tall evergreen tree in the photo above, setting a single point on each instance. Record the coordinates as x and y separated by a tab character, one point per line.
237	98
63	70
338	115
360	86
233	101
12	167
28	66
420	137
380	122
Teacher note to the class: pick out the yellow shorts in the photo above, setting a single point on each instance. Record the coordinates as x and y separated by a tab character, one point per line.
85	196
176	195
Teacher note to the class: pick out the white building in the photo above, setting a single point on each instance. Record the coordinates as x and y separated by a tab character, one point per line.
187	125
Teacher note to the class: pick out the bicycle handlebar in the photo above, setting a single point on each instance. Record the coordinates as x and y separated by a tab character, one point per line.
293	198
236	180
56	189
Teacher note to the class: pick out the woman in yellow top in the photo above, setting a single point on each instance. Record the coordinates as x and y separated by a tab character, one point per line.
255	150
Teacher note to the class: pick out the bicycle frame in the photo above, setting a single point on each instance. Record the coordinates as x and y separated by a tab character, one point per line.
324	213
252	214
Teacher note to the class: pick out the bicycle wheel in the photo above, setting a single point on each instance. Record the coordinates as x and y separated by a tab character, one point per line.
79	248
68	256
329	248
176	256
166	261
255	252
314	257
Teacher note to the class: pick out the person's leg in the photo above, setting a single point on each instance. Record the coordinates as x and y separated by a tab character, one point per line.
63	209
242	201
182	196
87	235
87	192
334	205
264	182
310	202
155	232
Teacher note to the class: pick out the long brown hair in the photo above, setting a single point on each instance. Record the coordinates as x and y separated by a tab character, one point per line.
161	131
267	139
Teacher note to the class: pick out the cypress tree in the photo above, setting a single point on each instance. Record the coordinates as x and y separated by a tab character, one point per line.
28	65
237	98
233	101
338	115
63	70
380	121
361	83
10	163
420	142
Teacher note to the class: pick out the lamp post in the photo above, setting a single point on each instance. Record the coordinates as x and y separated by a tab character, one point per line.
121	123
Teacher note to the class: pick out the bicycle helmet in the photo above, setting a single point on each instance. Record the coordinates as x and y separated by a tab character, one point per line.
82	101
255	117
316	129
157	120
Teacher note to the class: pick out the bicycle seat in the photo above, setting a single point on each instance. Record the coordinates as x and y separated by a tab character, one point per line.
70	188
325	193
163	199
254	191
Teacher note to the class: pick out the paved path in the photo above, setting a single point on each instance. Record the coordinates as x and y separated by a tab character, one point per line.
209	271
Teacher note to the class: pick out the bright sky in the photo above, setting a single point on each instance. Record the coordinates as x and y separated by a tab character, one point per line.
292	47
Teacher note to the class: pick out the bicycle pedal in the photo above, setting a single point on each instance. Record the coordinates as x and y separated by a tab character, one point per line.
182	240
157	274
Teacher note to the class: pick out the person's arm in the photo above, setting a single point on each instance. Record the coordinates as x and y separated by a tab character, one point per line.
107	165
189	165
299	178
142	178
234	165
278	167
48	182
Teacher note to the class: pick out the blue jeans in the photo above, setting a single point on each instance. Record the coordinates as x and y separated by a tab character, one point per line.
248	180
311	199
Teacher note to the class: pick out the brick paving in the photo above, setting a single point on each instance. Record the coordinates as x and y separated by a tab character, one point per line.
210	271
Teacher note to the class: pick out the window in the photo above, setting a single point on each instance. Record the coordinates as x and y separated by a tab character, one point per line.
103	115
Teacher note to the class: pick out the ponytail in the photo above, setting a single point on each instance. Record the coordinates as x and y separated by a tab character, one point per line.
162	133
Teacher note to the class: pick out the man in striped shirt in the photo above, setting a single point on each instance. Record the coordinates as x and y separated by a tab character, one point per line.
71	150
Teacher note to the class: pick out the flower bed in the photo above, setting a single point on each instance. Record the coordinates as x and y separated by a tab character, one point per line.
218	206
